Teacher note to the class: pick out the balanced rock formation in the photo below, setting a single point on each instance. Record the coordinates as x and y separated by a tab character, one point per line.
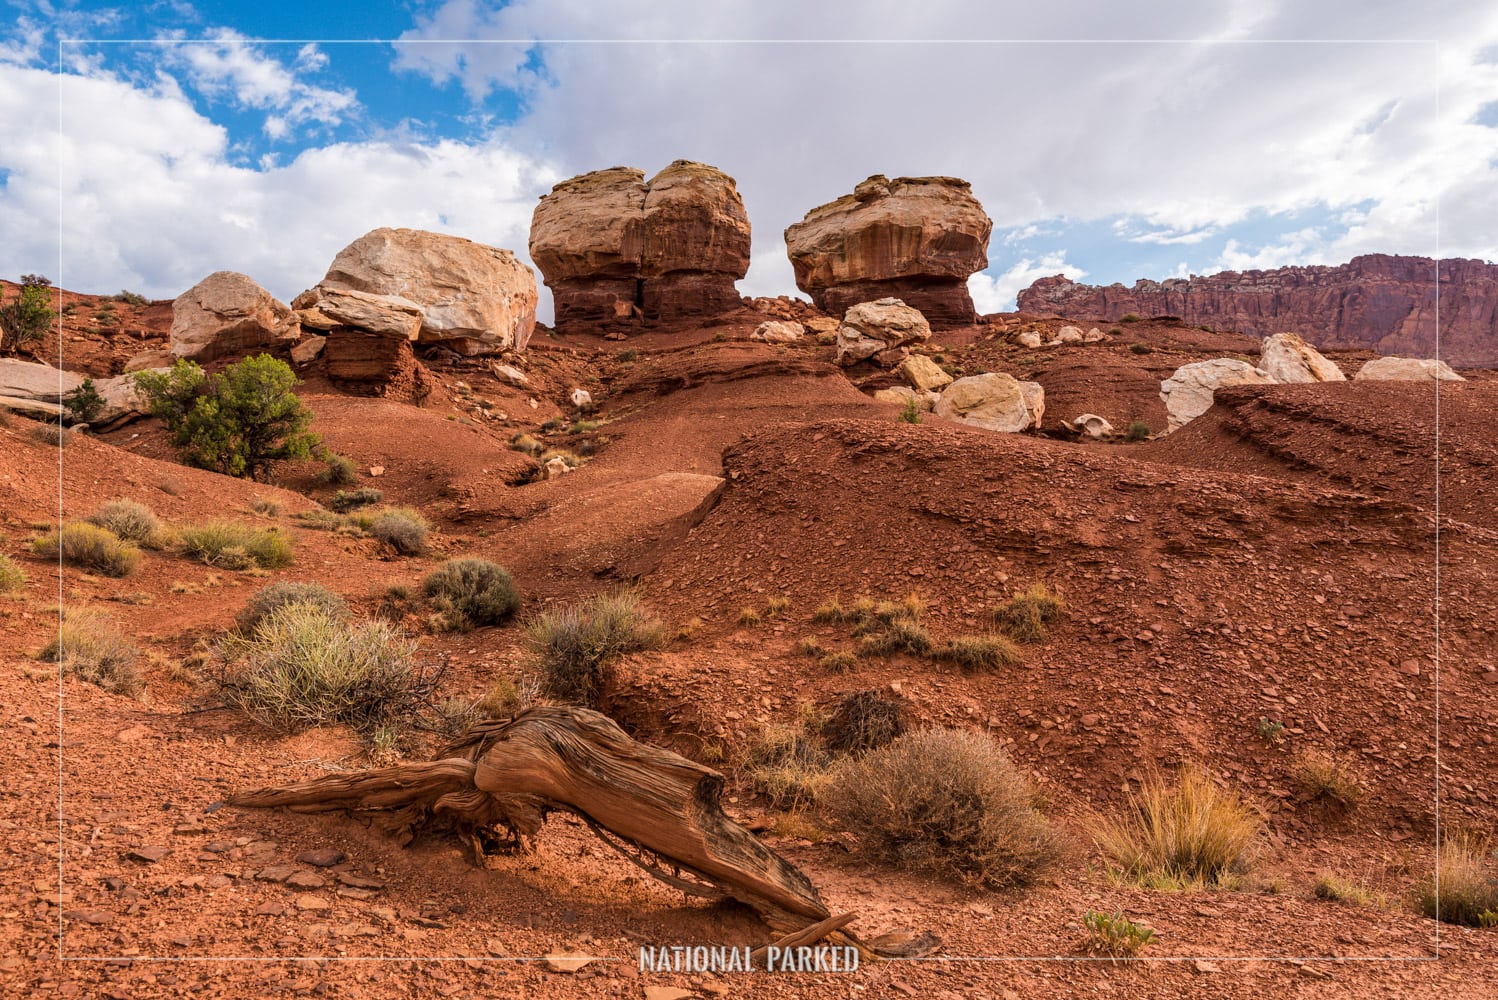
1190	391
471	298
616	249
1386	303
227	314
912	238
994	401
881	330
1284	357
1406	370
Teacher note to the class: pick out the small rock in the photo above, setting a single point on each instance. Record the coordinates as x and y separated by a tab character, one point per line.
496	948
1205	967
581	398
306	880
511	375
95	917
275	873
349	892
322	857
359	881
270	909
150	855
567	963
667	993
376	470
1411	667
308	901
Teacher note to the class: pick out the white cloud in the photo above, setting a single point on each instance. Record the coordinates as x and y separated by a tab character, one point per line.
770	273
997	293
1307	246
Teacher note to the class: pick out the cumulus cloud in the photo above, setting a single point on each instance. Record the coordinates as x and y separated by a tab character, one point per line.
997	293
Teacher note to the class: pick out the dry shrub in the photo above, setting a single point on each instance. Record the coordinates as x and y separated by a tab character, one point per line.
948	801
1186	834
349	500
401	528
864	720
472	592
838	661
1335	781
12	577
235	546
278	595
1027	615
90	547
977	653
577	645
1339	890
1463	889
304	667
788	765
901	635
88	646
130	521
509	696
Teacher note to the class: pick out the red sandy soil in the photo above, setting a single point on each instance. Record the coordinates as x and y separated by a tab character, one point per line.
1275	559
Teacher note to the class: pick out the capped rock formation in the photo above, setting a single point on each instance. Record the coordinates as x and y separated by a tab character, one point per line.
912	238
1378	301
616	249
228	314
471	298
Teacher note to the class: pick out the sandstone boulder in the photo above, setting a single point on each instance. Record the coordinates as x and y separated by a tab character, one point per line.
913	238
37	388
1029	338
308	350
615	248
227	314
1069	335
1190	391
472	298
381	315
879	330
1091	425
901	395
1285	357
1406	370
995	401
150	359
922	373
778	332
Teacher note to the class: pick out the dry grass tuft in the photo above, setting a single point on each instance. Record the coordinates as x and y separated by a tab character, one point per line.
864	720
1029	613
949	801
129	521
1181	835
576	646
981	653
278	595
1335	781
235	546
88	646
12	577
1463	889
90	547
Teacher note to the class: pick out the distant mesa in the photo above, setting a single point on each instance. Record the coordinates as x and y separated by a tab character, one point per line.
619	251
1377	301
917	239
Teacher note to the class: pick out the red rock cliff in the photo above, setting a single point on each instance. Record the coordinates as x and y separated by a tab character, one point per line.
1377	301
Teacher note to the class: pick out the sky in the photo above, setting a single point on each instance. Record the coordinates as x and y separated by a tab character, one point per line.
144	146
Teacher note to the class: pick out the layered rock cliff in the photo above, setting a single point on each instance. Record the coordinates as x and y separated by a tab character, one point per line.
1386	303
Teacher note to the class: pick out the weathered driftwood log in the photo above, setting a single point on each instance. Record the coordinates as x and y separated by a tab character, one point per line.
510	774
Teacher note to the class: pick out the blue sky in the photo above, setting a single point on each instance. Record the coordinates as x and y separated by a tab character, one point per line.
174	139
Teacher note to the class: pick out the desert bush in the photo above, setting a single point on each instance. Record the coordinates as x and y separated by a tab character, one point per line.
265	507
239	422
12	577
1138	431
132	298
1271	731
1463	889
787	764
1186	834
838	661
1140	349
527	443
347	500
470	592
338	470
232	545
978	653
901	635
1338	890
1115	934
88	647
910	413
948	801
29	316
401	528
278	595
1332	780
84	403
577	645
1027	615
129	520
811	646
90	547
863	720
302	666
1130	318
509	696
55	435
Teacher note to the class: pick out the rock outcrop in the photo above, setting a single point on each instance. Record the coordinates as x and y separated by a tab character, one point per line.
1285	357
1386	303
471	298
228	314
1190	391
912	238
994	401
881	330
1406	370
40	389
617	250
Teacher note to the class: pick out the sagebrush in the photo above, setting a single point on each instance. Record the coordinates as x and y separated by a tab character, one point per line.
90	547
89	647
471	592
576	646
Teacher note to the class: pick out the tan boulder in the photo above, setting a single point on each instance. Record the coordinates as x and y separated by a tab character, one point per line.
1029	338
1406	370
308	350
922	373
225	315
1070	335
1191	390
1095	336
879	328
30	380
913	238
615	248
901	395
1286	358
150	359
1033	393
473	298
994	401
1091	425
778	332
381	315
